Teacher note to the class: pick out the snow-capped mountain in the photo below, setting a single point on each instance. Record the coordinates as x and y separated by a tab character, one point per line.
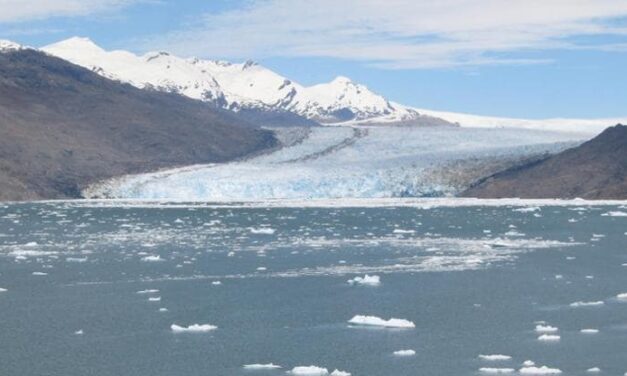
7	45
266	97
236	86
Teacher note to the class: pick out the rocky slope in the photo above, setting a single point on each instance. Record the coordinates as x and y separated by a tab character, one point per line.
63	126
597	169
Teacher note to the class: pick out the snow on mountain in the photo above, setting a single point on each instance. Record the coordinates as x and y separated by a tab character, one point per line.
235	86
158	70
7	45
249	86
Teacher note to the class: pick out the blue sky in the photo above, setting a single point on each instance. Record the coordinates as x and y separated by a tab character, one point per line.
531	58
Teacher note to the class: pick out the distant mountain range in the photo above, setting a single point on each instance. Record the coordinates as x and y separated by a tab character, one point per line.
268	98
63	126
596	169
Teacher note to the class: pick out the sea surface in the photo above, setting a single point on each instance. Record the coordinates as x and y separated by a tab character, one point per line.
95	287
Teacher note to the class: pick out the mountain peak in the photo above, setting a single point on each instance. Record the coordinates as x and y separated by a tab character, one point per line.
342	80
7	45
76	43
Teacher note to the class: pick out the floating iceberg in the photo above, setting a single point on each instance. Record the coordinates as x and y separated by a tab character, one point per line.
194	328
496	371
544	370
405	353
587	304
549	338
589	331
152	258
262	230
495	357
545	329
377	321
309	371
261	366
367	280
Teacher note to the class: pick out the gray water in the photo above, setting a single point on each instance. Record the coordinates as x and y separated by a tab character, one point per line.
474	280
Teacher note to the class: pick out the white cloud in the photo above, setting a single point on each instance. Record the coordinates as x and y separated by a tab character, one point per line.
26	10
400	33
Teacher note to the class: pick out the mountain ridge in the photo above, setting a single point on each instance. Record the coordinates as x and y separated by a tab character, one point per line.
63	127
596	169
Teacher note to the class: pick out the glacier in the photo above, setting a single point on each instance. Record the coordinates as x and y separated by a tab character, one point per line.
350	162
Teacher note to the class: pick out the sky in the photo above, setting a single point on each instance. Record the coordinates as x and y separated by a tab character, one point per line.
514	58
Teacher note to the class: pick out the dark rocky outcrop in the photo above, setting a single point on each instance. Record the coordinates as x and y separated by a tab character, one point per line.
63	127
596	169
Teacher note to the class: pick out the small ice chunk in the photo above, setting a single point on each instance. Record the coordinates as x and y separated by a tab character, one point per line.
496	371
494	357
589	331
544	370
262	230
377	321
545	329
152	258
366	280
529	363
615	214
337	372
230	254
622	296
79	332
149	291
309	371
549	338
401	231
262	269
216	283
587	304
3	290
39	273
194	328
154	299
407	352
163	310
594	370
262	366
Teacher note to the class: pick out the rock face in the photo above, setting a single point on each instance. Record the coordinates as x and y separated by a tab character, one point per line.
63	126
596	169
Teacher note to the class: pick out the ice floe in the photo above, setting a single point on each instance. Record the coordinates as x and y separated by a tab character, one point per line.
148	291
194	328
367	280
549	338
494	357
407	352
622	296
587	304
152	258
262	230
258	366
544	370
545	329
496	371
377	321
615	214
309	371
589	331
